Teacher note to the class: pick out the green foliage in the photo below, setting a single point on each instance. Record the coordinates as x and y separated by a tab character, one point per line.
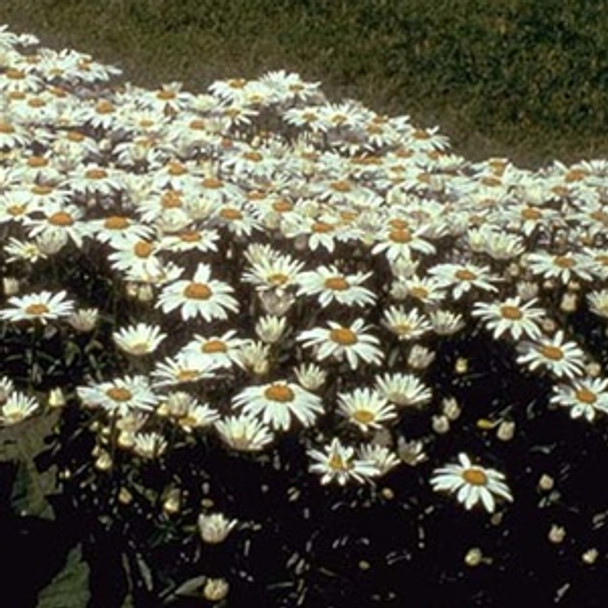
70	588
512	77
21	445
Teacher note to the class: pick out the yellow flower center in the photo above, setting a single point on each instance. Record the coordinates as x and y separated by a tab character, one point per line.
420	134
41	190
511	312
278	278
212	183
563	262
96	174
400	235
171	199
575	175
475	477
36	102
419	292
336	283
165	95
190	237
279	392
15	74
6	128
104	107
214	346
16	210
255	157
74	136
37	161
585	395
61	218
118	393
37	309
197	291
187	375
116	222
197	124
231	214
490	181
341	186
555	353
175	168
282	206
363	416
465	275
143	249
530	213
322	227
343	336
337	463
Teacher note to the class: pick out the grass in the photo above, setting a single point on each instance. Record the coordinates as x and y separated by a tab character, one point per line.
508	78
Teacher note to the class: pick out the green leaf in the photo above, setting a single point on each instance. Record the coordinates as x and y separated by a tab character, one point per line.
70	588
21	444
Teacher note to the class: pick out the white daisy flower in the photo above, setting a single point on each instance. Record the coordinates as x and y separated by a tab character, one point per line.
405	325
462	277
279	402
310	376
149	445
598	302
331	285
139	339
202	296
197	415
340	341
512	317
472	483
182	369
585	397
403	389
340	463
244	433
222	351
366	408
121	395
382	457
559	357
17	408
563	267
445	322
42	306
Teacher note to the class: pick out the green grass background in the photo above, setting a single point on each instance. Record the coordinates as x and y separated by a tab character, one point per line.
519	78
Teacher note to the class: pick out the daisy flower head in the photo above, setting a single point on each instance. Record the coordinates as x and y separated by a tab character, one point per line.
331	285
382	457
310	376
598	302
222	351
340	341
16	408
555	355
42	306
121	395
279	402
462	277
366	408
563	267
511	317
472	483
405	325
339	463
585	397
244	433
184	368
140	339
202	296
196	416
149	445
403	390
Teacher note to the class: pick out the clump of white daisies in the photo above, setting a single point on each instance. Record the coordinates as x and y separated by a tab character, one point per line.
258	261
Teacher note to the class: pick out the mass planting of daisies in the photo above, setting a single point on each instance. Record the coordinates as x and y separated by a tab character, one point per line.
255	263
